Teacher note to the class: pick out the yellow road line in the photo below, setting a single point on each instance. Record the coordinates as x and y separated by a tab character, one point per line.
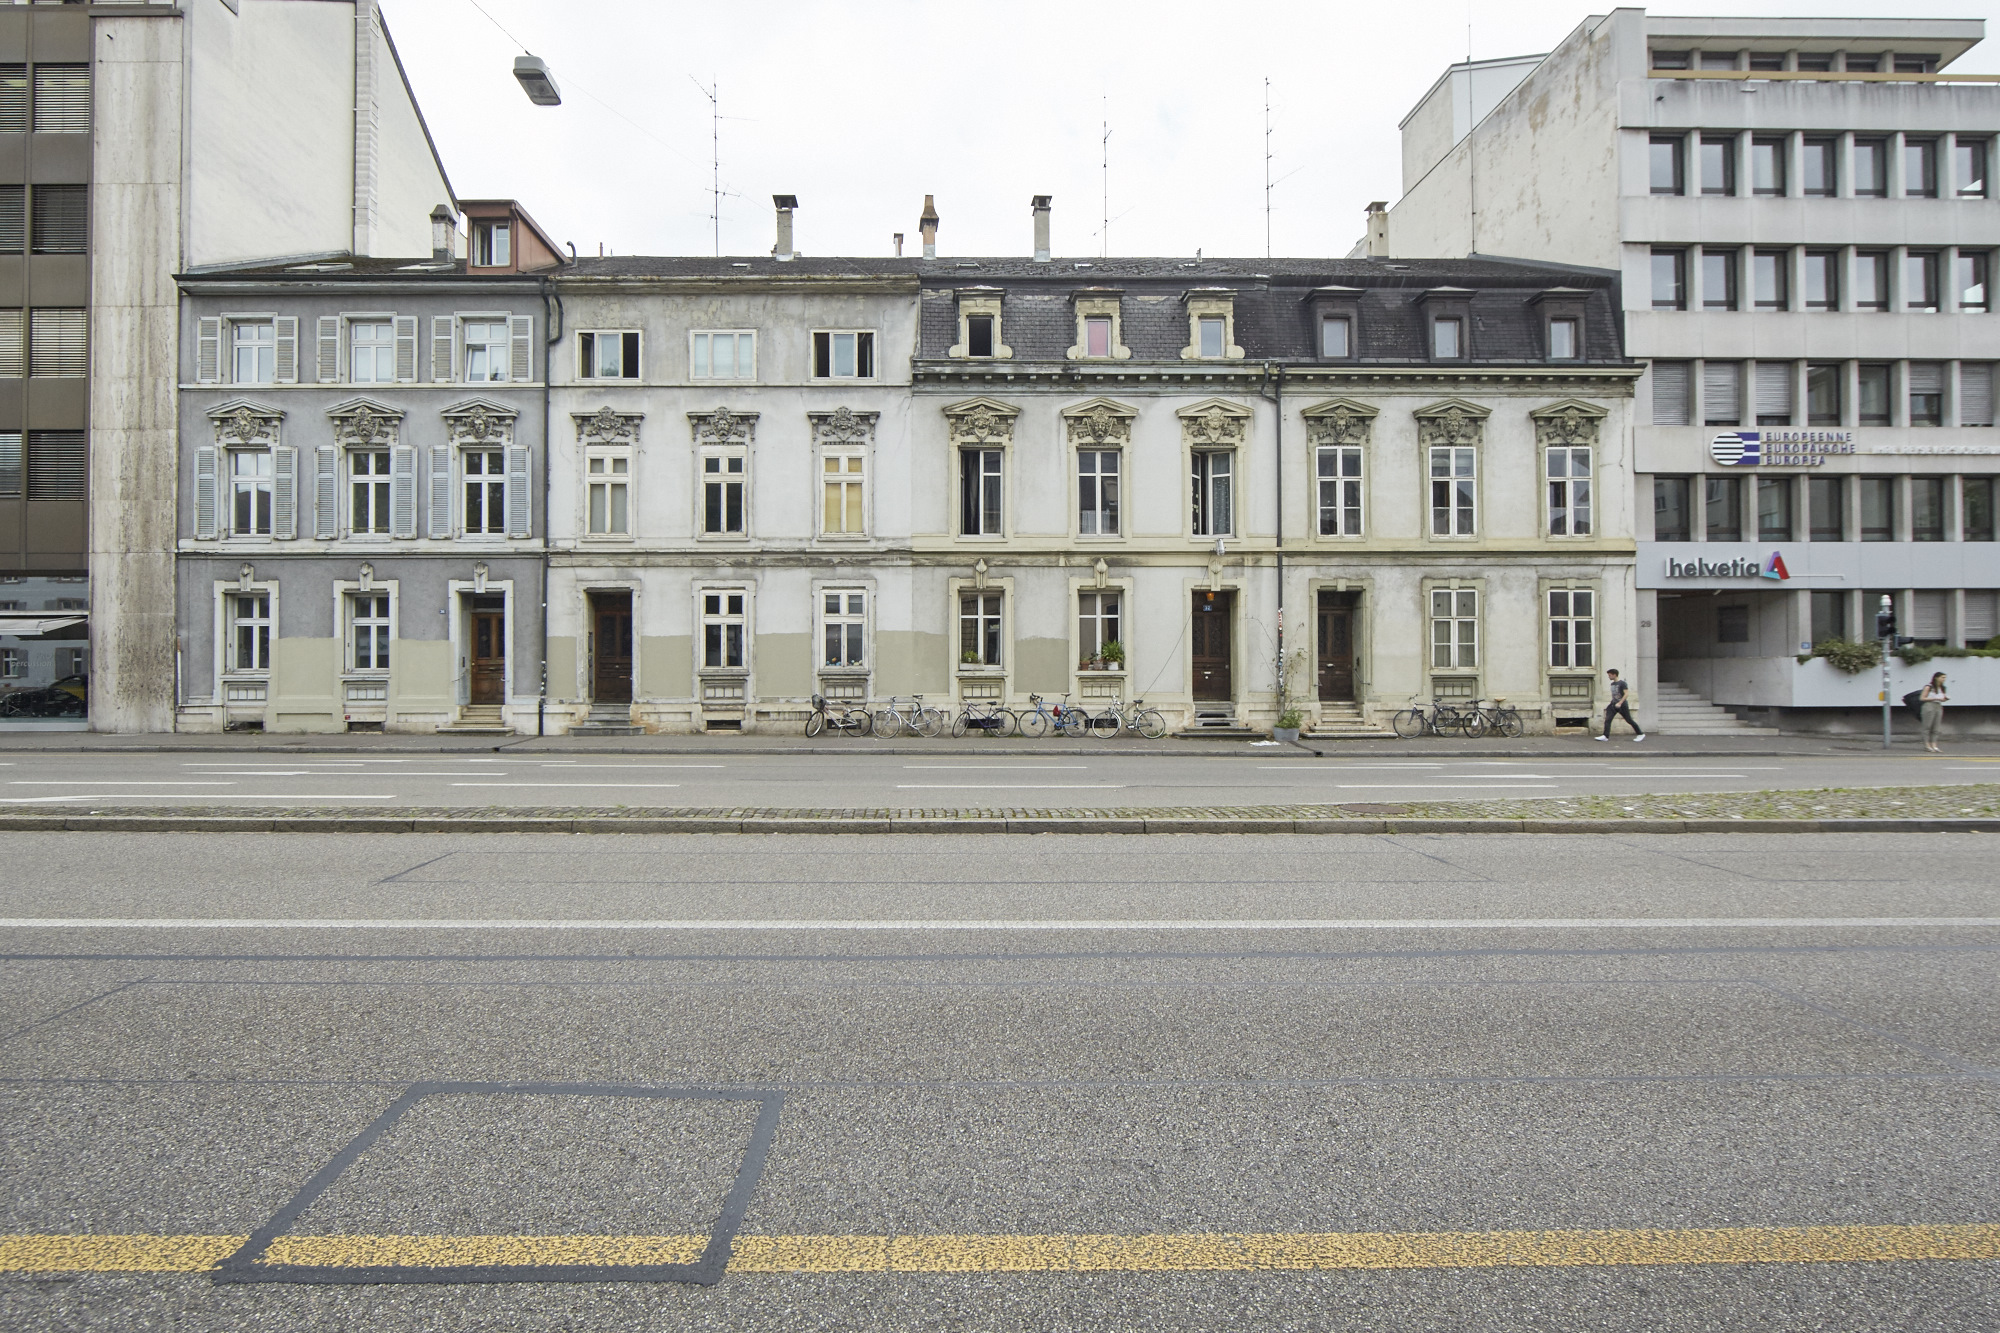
1197	1252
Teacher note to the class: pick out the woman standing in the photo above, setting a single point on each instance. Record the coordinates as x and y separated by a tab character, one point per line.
1931	709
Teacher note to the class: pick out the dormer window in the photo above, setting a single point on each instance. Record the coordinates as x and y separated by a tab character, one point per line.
979	331
1211	335
1447	338
1097	335
1336	335
1211	326
492	245
979	335
1564	339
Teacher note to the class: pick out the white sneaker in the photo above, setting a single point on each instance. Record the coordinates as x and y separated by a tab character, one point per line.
1640	737
1600	738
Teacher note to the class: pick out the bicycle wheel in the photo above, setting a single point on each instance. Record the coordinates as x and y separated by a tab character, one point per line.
889	724
960	724
1409	724
860	721
816	723
1509	724
1010	724
1034	724
1107	724
931	723
1074	721
1150	724
1474	724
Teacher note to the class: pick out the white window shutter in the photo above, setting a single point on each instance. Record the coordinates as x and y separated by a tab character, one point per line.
208	350
403	491
285	333
1670	393
205	462
406	349
1722	391
1774	389
329	349
1975	394
326	493
1927	615
520	333
442	370
440	490
518	496
284	493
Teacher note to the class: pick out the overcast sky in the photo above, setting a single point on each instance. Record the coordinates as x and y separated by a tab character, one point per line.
860	109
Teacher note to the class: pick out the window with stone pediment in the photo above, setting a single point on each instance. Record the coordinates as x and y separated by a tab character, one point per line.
1451	434
1100	333
1338	434
981	432
1567	434
723	441
980	336
609	441
367	441
1213	433
247	481
1100	432
1211	316
843	440
496	499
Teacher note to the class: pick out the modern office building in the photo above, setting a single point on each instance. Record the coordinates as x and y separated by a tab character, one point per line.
1803	216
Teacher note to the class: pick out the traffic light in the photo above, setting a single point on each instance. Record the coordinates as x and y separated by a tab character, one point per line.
1885	624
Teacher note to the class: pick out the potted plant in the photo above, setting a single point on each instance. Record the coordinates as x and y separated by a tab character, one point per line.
1289	723
969	658
1113	654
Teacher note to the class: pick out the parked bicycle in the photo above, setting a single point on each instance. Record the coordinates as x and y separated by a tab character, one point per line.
1499	720
1103	724
989	718
1041	717
1438	719
1146	721
855	721
909	714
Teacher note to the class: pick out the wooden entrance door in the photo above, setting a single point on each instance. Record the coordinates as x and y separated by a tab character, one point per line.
611	647
488	667
1212	617
1337	614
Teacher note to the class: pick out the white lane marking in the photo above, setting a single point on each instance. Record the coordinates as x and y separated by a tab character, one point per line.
836	923
193	796
1010	786
1336	767
546	785
999	768
28	782
572	764
1447	786
263	773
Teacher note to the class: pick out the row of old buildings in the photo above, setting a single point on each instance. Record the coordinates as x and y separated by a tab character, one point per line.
437	472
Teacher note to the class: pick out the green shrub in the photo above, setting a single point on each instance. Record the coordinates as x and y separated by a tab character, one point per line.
1845	654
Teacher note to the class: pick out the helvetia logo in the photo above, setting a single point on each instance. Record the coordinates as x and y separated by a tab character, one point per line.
1737	448
1774	568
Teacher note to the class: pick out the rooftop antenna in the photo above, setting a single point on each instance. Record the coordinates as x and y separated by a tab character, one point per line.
1104	232
1267	168
715	157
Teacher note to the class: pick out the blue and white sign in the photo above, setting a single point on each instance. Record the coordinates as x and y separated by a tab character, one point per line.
1779	448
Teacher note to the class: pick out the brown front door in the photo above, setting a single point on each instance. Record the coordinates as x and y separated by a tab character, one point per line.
488	669
1337	613
611	647
1212	614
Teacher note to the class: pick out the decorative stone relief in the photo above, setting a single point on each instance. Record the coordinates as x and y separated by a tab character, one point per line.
1339	422
605	426
1452	422
843	425
478	423
1568	423
238	424
723	426
1100	424
1214	424
981	421
365	425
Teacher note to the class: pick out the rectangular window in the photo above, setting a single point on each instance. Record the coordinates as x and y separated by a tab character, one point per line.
608	477
608	356
1454	628
1774	393
1097	335
1927	509
1927	615
1453	491
979	335
61	219
1774	509
723	356
485	492
249	631
12	465
250	493
56	465
722	631
1872	389
368	626
13	664
1871	280
979	492
1982	618
1815	62
1572	632
1097	497
844	356
371	352
1447	339
1718	60
1978	500
13	219
1339	469
1722	506
369	488
1818	175
485	351
1569	491
1823	384
1767	165
1829	616
1822	279
253	351
1878	508
1214	493
1670	393
1920	280
1968	276
1915	64
1718	279
979	629
13	99
1564	343
1826	499
1670	60
846	629
1920	168
722	479
1210	330
1718	164
1673	517
844	479
1334	336
492	245
1975	393
62	99
1968	168
1767	279
1871	168
58	347
1664	159
1722	393
1926	393
1097	622
1669	279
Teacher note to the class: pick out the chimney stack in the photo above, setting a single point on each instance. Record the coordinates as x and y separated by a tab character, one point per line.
784	249
928	225
1378	229
1040	205
443	232
898	239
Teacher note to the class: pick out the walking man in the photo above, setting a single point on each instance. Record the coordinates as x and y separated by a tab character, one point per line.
1619	705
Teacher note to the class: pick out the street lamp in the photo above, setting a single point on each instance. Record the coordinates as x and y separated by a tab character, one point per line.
536	81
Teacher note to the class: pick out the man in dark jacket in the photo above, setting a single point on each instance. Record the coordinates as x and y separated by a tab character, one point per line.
1617	707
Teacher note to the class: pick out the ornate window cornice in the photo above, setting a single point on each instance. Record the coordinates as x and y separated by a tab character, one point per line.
604	426
723	426
478	421
363	423
1099	423
1214	423
1571	422
843	426
240	422
1340	421
1453	421
981	421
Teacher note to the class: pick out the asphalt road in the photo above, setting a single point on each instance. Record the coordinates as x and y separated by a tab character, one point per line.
949	779
1005	1053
